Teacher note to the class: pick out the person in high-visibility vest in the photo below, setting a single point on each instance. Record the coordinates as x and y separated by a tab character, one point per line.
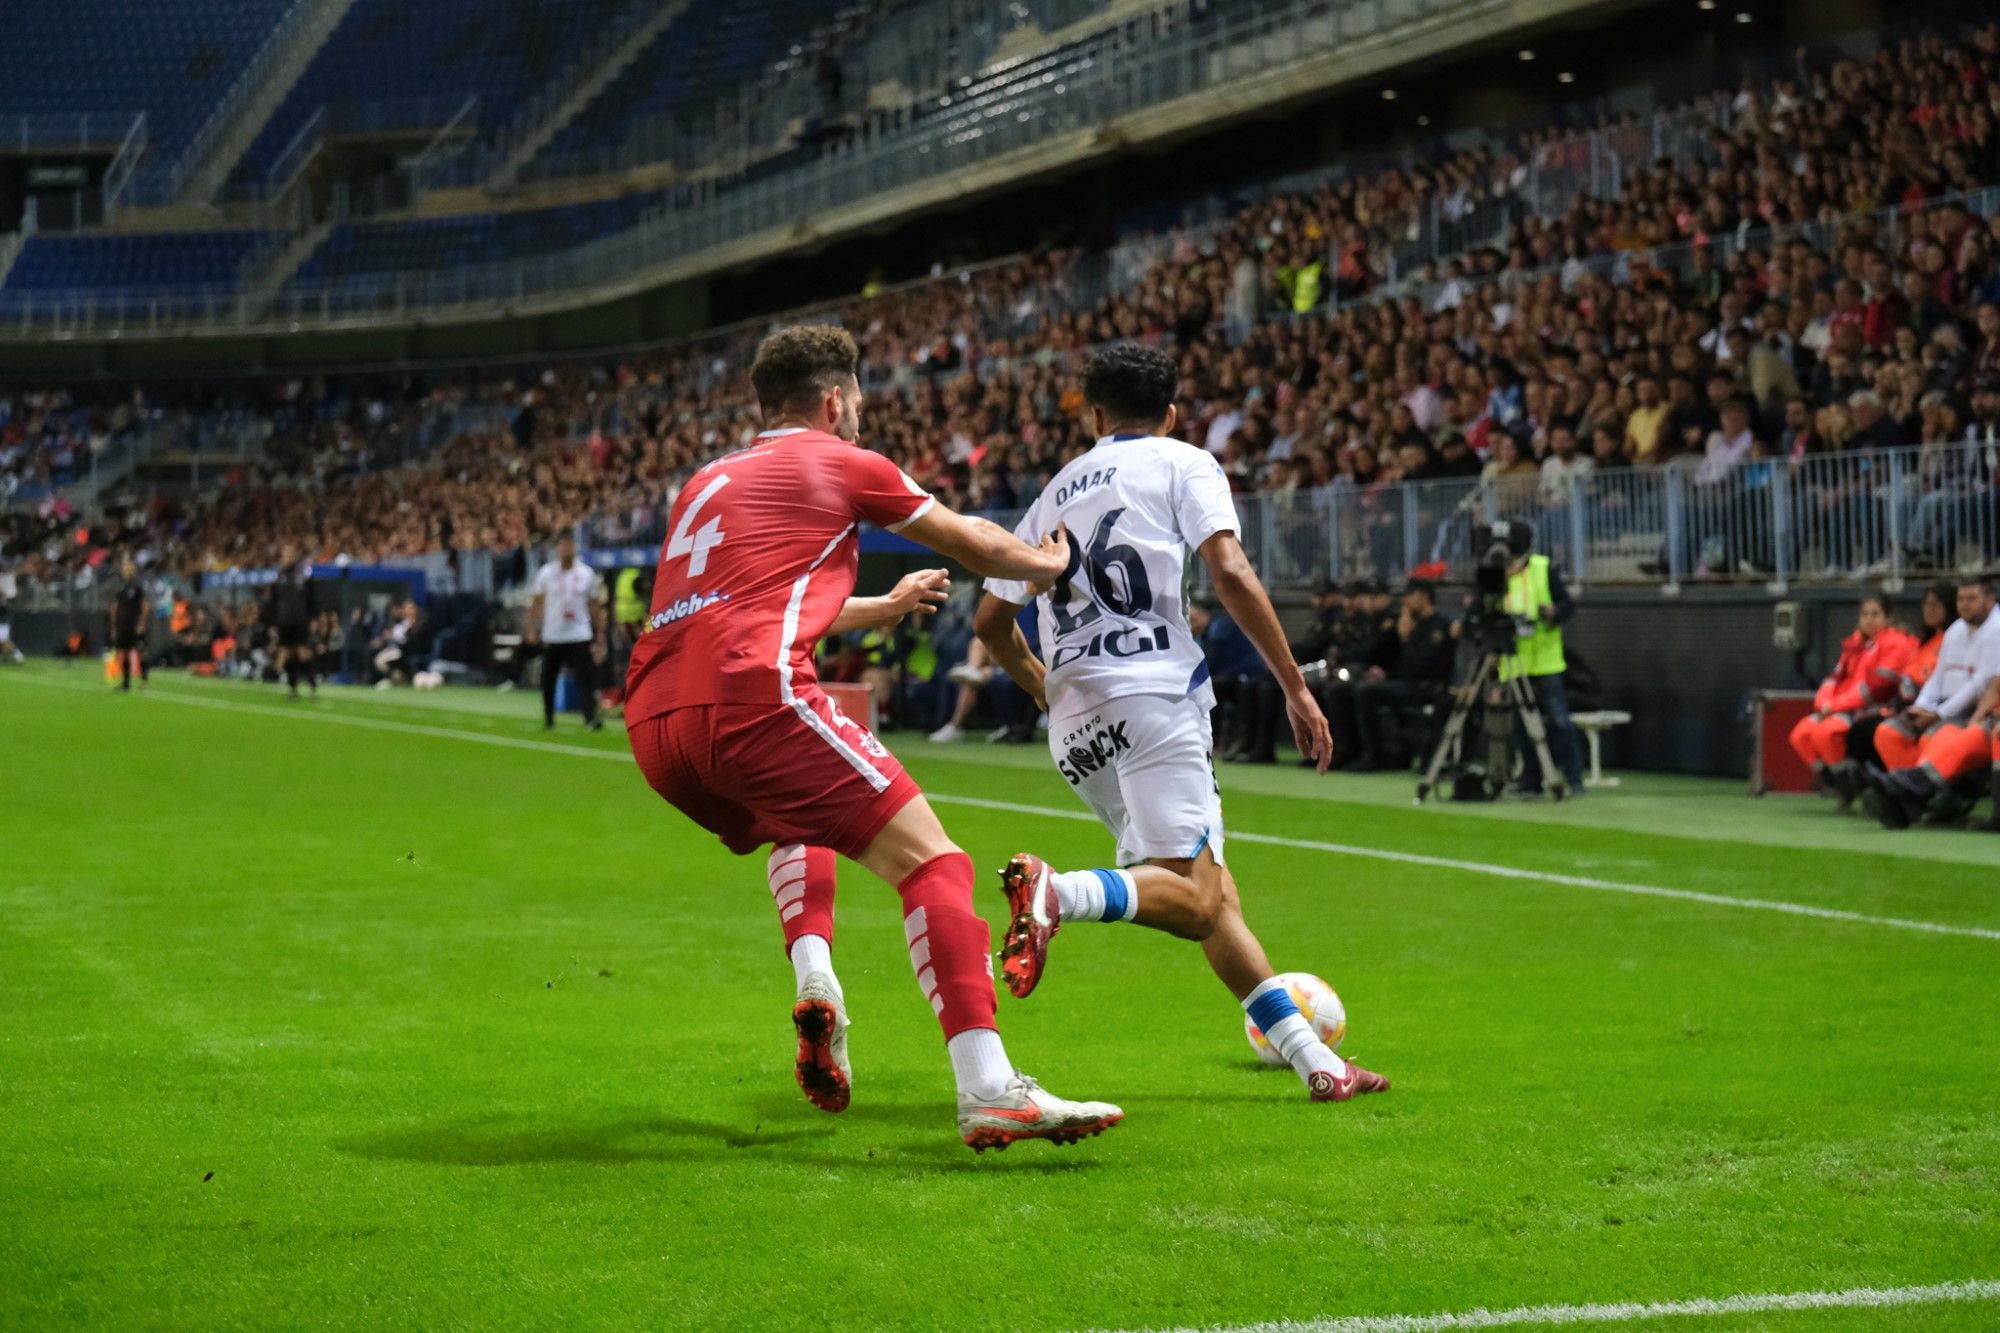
628	605
1540	604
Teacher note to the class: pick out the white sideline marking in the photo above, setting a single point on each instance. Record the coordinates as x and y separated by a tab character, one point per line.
1865	1298
1518	872
1047	812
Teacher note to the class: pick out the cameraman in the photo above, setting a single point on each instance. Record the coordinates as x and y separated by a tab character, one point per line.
1540	605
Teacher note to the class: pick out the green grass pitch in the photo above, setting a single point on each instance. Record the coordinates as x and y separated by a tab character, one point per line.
304	1023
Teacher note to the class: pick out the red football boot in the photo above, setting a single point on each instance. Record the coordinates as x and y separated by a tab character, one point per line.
1327	1087
1036	917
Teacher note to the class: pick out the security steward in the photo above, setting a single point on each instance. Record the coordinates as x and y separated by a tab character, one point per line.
1420	674
1322	640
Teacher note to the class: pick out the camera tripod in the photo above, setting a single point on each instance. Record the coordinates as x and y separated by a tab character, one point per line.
1506	699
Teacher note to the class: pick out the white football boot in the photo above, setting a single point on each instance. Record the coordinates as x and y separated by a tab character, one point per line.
822	1069
1025	1111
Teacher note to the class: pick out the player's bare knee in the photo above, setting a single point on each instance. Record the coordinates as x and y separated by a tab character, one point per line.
1217	890
1208	907
1196	898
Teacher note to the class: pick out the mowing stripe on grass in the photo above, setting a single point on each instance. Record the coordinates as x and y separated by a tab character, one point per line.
300	713
1518	872
1623	1312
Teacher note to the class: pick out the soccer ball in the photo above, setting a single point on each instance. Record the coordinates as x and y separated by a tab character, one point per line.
1317	1004
427	680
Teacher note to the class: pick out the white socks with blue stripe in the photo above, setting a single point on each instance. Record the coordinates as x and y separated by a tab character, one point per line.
1272	1009
1095	895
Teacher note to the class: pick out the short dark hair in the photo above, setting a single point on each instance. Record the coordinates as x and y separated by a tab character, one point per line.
1423	586
1131	383
796	364
1983	582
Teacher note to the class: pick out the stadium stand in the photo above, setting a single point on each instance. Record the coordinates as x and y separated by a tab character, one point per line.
134	263
1531	375
700	58
172	61
401	51
442	244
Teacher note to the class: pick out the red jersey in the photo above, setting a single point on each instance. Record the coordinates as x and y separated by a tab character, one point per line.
761	554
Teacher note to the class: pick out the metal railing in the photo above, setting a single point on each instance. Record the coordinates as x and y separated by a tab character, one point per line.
295	156
484	156
1091	87
439	116
124	163
1845	516
1088	81
54	130
1107	75
1884	515
162	182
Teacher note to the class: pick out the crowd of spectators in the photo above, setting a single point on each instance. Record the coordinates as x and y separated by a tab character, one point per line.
1662	328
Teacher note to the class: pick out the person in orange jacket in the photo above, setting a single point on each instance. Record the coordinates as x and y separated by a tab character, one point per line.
1848	777
1946	737
1867	676
1951	753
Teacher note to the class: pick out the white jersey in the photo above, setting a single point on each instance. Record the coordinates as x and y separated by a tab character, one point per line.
1115	624
567	596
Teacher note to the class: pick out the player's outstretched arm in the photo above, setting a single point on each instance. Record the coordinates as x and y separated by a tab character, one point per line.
989	550
918	593
1242	595
997	623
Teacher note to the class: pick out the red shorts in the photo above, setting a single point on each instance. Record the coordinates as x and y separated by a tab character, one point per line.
754	774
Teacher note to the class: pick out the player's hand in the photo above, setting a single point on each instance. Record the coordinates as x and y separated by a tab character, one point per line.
919	594
1922	718
1055	547
532	637
1309	730
597	651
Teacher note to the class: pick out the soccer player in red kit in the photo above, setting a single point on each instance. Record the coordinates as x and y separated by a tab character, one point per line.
727	720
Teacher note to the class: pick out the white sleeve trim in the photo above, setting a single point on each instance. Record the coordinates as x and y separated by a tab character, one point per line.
922	509
1011	591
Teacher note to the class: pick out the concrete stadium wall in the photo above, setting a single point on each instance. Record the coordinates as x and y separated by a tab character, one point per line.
1684	667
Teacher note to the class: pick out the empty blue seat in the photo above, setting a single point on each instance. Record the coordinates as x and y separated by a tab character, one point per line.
121	264
103	57
437	50
701	57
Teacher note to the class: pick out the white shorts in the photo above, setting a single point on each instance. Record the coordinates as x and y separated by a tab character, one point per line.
1143	764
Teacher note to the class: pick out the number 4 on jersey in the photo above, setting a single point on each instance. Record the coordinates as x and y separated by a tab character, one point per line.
705	539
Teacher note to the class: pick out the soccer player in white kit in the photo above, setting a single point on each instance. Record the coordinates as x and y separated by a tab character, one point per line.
1128	697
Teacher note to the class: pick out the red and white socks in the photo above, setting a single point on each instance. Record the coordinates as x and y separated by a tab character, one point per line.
802	883
951	950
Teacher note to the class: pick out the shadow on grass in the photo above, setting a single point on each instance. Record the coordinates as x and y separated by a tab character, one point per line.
632	1139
